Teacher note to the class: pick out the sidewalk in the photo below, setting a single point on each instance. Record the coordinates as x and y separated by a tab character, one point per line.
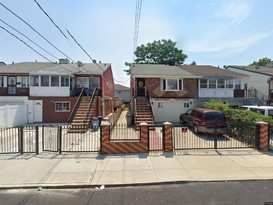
83	169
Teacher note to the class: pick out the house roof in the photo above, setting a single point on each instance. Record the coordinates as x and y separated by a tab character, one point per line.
121	87
190	71
261	69
158	70
208	71
53	68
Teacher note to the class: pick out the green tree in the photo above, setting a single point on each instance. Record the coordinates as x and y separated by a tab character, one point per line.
158	52
261	62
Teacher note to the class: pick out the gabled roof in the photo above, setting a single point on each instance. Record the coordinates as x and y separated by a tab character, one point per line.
53	68
119	87
208	71
158	70
187	71
261	69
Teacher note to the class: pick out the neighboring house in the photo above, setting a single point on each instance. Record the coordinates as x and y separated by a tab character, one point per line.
49	91
172	90
260	81
123	92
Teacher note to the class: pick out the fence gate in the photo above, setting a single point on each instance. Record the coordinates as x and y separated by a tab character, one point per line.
9	140
29	139
156	138
237	136
50	138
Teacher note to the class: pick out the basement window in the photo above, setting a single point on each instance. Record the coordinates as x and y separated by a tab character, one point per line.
62	106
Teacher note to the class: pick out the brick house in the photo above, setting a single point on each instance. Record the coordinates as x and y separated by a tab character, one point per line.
172	90
49	92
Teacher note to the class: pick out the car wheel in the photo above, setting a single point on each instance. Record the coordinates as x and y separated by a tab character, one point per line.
195	129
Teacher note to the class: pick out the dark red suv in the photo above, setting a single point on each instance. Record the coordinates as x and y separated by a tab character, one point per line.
205	120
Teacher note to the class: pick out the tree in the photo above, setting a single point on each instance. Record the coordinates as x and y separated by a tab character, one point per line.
261	62
158	52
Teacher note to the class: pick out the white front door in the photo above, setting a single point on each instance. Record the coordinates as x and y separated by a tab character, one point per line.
38	111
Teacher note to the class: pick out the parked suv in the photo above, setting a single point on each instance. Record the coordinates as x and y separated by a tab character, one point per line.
205	120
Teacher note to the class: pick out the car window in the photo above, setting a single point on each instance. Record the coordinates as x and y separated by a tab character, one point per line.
189	112
214	115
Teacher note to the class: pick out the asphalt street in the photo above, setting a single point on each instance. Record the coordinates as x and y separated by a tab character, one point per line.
193	193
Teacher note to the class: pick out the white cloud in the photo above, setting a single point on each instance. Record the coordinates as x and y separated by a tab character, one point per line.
236	11
234	45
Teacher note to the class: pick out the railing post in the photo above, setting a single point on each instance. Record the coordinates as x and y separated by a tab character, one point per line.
20	140
167	136
37	139
59	139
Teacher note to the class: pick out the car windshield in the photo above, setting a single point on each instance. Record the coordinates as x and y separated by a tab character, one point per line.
214	115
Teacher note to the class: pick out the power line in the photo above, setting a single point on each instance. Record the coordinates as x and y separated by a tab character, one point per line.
36	31
28	38
32	48
50	18
137	20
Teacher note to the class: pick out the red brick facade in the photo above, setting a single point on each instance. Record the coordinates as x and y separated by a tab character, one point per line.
152	85
263	136
168	137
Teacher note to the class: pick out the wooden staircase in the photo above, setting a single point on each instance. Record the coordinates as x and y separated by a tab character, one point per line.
143	112
82	118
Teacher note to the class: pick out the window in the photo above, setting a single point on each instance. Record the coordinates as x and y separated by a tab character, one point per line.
62	106
64	81
94	82
1	81
34	80
186	105
221	83
24	81
203	83
45	80
160	105
172	84
229	84
55	81
237	84
212	83
82	82
119	92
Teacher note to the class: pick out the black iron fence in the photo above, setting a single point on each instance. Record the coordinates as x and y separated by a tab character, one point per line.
124	132
9	140
237	136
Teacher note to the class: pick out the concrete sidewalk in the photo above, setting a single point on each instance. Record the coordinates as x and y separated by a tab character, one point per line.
82	169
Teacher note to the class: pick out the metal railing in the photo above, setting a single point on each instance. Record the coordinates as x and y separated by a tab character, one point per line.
123	132
94	93
76	104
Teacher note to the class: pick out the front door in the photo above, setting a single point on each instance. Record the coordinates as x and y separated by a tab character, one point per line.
11	85
141	87
38	111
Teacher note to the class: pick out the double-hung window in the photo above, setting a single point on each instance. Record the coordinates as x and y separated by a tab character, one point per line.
172	84
34	80
45	80
54	81
24	81
62	106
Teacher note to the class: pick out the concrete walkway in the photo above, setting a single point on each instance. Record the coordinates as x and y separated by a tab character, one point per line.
83	169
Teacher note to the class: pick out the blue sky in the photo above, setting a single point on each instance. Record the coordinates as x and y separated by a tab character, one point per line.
210	32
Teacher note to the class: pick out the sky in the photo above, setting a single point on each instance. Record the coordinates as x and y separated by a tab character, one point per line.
210	32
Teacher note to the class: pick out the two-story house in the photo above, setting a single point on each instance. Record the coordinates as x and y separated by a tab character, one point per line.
172	90
52	92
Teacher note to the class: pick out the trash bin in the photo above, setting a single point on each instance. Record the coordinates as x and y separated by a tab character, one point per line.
95	123
100	119
129	119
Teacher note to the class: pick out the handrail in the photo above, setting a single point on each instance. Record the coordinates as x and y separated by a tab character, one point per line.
75	105
89	106
149	98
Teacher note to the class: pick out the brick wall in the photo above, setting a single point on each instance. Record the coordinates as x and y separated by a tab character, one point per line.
263	144
126	147
168	137
190	89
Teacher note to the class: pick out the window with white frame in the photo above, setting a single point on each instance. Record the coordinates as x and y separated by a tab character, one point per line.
172	84
54	81
24	81
212	83
62	106
1	81
203	83
34	80
186	105
82	82
220	83
45	80
64	81
94	82
237	84
160	105
229	84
